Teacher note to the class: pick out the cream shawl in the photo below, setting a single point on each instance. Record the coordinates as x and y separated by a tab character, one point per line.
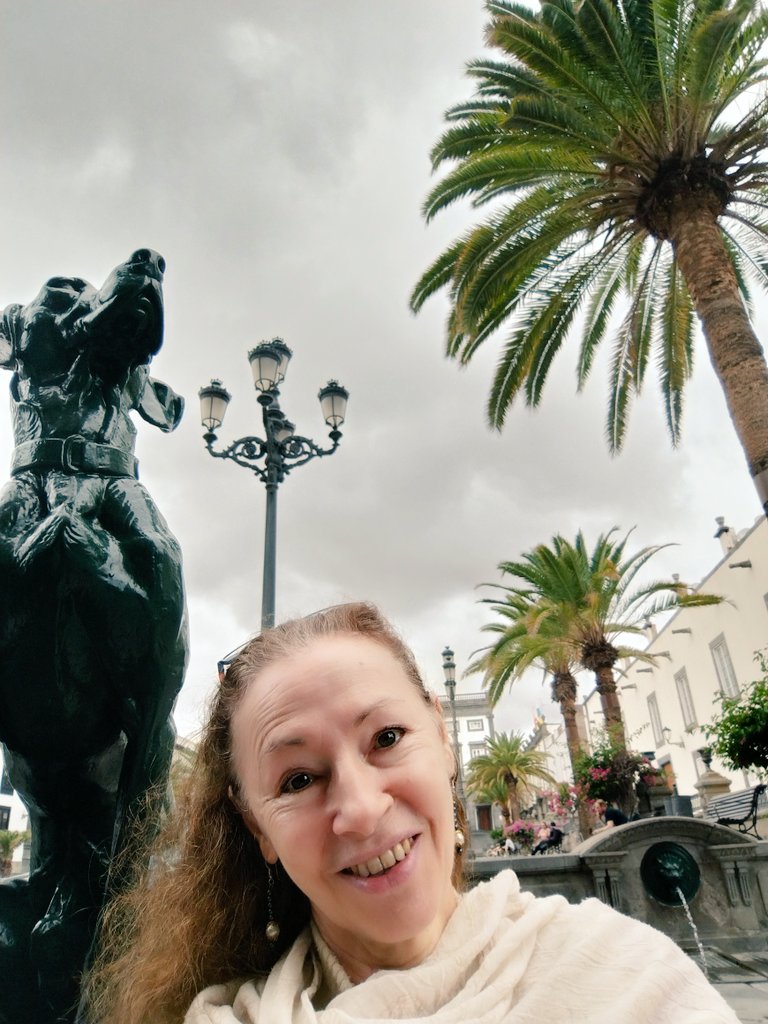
503	957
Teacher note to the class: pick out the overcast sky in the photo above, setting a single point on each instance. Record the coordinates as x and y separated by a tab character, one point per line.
277	156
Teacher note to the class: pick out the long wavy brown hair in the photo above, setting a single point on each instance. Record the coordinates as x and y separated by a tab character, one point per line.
197	915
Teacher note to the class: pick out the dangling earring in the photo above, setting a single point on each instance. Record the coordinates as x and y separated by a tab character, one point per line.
272	931
459	837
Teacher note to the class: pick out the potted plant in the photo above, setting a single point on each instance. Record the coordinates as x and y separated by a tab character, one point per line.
613	774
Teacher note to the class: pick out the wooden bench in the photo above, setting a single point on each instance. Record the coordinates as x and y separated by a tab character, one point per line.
738	809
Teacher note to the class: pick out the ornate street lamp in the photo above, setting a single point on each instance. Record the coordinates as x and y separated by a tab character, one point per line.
282	450
449	670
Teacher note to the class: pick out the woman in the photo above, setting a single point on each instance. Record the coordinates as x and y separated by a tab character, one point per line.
315	874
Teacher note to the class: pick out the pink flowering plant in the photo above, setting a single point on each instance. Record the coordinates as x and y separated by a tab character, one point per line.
612	774
564	802
522	832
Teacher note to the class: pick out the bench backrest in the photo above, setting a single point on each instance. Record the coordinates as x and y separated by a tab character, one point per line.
734	805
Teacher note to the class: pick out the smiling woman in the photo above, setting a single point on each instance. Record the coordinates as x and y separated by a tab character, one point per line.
313	872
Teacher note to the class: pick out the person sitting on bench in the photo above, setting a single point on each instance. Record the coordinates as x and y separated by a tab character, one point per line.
554	838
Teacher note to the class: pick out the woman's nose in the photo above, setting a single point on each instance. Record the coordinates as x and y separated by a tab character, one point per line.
359	799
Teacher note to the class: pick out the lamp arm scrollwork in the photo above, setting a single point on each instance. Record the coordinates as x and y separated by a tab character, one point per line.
285	455
297	450
246	451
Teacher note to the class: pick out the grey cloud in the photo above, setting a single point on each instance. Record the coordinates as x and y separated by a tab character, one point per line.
277	155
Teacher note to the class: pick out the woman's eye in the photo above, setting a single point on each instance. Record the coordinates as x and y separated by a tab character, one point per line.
389	737
295	783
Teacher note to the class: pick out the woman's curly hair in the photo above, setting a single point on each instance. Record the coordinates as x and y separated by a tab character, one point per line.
197	915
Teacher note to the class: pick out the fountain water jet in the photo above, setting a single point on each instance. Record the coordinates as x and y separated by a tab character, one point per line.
694	929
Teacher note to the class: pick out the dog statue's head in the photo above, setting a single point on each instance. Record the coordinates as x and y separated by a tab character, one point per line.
114	329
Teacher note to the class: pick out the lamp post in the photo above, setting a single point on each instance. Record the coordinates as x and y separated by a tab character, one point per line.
449	670
282	450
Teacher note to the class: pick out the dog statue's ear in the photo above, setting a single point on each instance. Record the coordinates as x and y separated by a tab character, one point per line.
156	403
10	325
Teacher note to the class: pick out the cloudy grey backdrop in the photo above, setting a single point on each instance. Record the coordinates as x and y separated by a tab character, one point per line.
277	155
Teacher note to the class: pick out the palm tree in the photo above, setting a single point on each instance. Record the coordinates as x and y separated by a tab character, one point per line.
495	792
507	761
528	636
582	601
620	145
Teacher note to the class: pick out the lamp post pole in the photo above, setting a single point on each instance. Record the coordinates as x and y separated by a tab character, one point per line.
449	670
282	450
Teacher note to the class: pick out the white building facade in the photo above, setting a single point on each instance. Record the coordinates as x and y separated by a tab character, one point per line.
474	726
701	652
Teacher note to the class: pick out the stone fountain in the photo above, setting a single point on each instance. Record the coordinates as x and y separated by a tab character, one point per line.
636	868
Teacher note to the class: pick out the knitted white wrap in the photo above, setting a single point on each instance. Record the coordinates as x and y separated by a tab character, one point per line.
503	957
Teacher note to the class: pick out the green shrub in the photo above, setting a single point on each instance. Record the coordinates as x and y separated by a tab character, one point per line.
739	734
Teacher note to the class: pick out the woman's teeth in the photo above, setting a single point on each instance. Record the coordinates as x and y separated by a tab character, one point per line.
383	862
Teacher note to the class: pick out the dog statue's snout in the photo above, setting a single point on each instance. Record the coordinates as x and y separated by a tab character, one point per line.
148	256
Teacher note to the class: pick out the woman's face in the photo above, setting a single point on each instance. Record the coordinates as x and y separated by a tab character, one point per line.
345	773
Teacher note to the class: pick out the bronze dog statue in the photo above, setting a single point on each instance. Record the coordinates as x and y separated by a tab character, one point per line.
92	620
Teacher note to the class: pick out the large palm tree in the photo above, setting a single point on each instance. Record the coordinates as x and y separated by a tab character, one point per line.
529	635
620	145
506	760
591	600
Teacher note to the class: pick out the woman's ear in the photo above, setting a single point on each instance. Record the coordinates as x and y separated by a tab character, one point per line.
266	847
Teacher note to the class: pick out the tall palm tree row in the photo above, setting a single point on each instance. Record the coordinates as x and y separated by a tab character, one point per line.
569	604
620	146
529	635
507	761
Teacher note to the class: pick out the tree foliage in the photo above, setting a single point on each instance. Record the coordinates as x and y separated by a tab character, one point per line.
601	133
739	733
508	762
572	603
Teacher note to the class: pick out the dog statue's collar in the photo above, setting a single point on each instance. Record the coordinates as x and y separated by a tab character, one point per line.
73	454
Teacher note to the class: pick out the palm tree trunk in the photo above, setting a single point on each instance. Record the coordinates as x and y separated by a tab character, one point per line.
599	656
514	799
609	700
564	692
734	348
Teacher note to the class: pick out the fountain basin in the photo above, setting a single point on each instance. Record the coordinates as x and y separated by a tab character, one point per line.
729	906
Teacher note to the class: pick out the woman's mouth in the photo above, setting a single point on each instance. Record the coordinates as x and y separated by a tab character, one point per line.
385	861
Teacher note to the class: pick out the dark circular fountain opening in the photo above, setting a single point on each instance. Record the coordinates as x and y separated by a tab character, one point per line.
670	874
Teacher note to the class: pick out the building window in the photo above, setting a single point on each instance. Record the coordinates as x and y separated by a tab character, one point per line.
653	711
5	784
476	724
477	750
685	698
5	817
724	667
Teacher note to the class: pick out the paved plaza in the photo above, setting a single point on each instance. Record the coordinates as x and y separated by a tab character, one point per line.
742	980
